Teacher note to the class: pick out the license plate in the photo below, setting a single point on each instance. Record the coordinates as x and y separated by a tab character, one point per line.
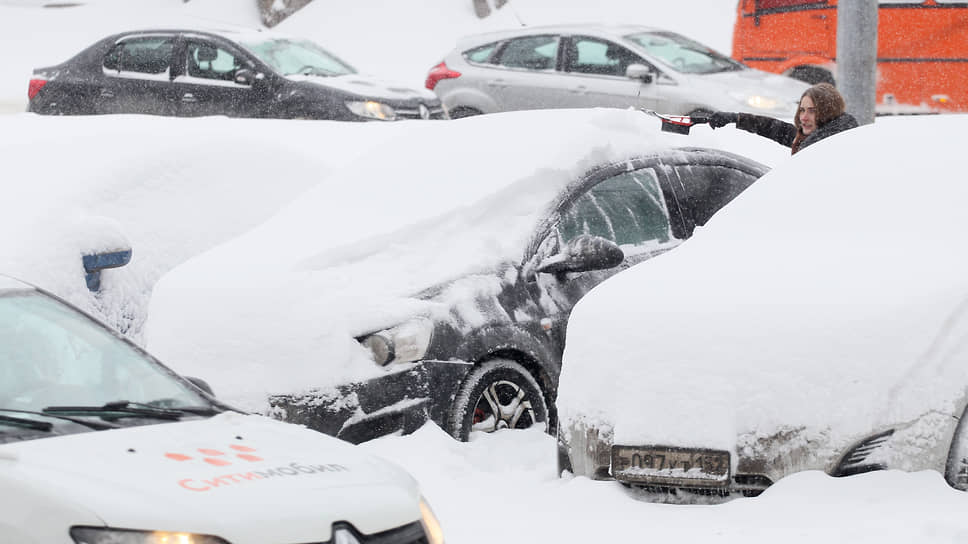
670	466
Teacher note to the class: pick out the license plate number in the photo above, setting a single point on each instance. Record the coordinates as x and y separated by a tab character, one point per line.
670	466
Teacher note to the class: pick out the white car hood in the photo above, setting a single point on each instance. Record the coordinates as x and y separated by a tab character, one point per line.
232	475
367	86
730	91
823	298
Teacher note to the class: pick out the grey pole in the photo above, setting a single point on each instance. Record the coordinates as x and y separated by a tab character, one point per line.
857	57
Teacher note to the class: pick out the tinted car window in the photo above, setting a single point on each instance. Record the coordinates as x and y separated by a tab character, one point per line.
148	55
532	53
480	54
593	56
709	188
628	209
211	62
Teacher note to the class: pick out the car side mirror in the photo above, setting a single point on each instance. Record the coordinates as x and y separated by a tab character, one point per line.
201	384
582	254
640	72
96	262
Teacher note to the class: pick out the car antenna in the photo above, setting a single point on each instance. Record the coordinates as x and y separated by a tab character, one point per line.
514	12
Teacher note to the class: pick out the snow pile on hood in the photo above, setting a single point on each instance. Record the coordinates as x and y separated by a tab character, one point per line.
276	310
166	188
830	295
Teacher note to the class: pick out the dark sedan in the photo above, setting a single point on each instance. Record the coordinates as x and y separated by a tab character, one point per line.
190	73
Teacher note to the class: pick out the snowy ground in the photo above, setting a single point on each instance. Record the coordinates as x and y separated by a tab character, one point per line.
503	487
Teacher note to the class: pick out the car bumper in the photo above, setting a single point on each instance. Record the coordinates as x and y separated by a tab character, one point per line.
399	401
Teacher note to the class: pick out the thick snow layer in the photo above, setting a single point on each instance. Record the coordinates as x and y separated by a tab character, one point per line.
285	300
831	295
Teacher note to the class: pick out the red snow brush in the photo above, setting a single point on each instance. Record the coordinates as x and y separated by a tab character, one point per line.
678	124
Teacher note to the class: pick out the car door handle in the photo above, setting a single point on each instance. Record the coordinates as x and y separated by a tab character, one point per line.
106	94
581	89
497	83
189	97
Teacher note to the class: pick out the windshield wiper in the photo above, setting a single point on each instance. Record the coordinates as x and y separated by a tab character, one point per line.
96	425
117	409
26	423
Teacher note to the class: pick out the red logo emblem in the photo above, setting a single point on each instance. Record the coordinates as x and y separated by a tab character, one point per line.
219	458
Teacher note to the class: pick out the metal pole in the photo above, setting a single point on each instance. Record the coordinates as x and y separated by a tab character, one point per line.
857	57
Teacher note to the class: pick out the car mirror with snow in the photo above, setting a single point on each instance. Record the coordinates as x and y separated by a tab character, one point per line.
583	253
640	72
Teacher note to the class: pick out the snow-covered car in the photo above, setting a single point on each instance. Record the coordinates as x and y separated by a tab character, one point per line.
418	285
160	189
100	443
818	323
589	65
191	73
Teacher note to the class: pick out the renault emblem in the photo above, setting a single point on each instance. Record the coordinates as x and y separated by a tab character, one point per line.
343	536
424	112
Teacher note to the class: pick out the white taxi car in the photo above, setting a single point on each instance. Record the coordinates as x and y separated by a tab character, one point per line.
100	443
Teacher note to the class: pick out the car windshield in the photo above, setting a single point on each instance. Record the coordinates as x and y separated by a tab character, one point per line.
682	54
290	57
52	355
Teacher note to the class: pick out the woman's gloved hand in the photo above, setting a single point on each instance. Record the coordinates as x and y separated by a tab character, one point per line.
722	118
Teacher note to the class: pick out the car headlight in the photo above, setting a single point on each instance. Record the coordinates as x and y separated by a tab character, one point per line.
435	535
757	101
403	343
372	109
105	535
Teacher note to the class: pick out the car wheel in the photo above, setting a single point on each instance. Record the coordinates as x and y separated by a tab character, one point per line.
463	111
956	469
812	75
497	394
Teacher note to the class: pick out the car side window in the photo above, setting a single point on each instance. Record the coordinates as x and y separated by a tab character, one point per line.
145	55
708	188
530	53
480	55
594	56
628	209
208	61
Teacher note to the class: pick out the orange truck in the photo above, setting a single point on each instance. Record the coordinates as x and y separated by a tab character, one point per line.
922	48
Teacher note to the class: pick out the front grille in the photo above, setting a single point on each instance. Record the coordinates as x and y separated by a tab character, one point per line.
855	460
748	485
407	534
435	113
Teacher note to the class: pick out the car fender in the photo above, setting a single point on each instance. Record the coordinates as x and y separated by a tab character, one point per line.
466	97
513	341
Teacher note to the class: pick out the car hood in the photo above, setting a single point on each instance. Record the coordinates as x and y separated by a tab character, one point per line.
367	87
733	90
827	298
232	475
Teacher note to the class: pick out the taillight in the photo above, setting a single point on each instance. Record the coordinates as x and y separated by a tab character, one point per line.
34	88
441	71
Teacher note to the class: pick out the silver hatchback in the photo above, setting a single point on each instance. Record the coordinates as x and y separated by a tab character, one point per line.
579	66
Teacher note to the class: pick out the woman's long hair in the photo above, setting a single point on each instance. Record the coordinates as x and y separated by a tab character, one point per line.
829	103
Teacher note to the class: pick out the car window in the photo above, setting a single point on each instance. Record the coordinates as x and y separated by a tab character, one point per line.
144	55
53	355
208	61
682	54
594	56
480	54
709	188
628	209
290	57
531	53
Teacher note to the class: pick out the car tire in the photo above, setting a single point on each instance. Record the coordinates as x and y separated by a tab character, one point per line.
498	385
463	111
956	468
812	75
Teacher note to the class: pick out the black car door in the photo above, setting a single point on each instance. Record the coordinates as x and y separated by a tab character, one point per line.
136	76
628	207
206	84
